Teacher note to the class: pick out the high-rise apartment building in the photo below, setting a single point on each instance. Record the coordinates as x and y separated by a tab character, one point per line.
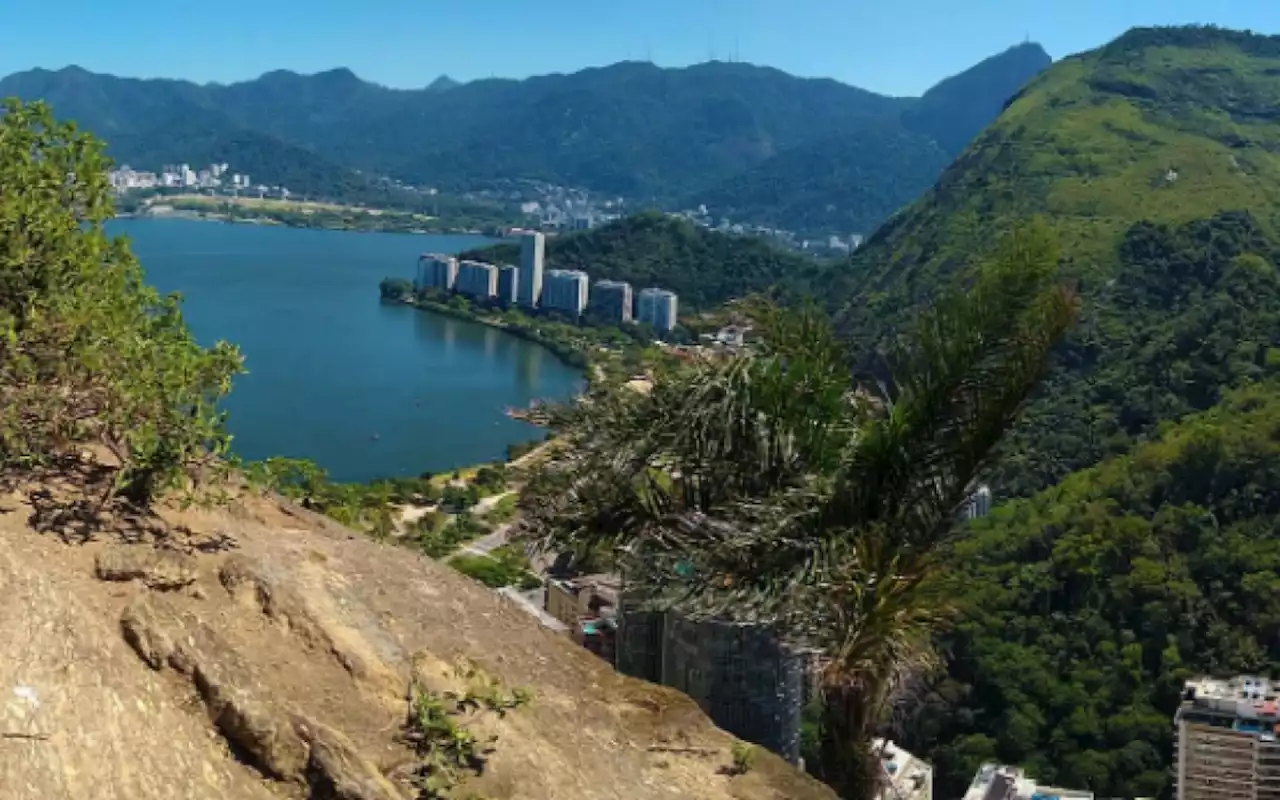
477	279
1227	733
533	246
998	782
436	272
979	504
565	290
658	308
611	300
508	284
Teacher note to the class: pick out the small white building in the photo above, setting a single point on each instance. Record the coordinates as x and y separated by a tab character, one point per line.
905	776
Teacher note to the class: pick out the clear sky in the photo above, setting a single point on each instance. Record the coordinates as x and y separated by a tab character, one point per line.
890	46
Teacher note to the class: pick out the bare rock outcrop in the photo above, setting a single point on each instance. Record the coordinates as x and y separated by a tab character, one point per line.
280	670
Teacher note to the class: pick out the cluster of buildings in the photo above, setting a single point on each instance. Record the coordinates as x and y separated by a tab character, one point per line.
832	244
567	291
177	176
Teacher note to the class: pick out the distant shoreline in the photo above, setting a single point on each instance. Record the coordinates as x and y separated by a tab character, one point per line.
203	216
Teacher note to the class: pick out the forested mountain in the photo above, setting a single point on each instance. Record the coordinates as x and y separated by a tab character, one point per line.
703	267
850	183
1145	548
1153	160
753	137
834	186
1087	606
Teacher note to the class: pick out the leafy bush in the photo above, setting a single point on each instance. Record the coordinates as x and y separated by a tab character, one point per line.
88	351
505	567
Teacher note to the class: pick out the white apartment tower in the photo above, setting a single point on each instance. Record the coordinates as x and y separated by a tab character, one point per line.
658	308
533	246
477	279
1227	746
565	290
612	300
436	272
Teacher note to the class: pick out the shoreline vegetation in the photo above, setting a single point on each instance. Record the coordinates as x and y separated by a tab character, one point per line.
313	214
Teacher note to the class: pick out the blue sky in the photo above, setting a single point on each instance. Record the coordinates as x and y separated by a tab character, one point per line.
899	47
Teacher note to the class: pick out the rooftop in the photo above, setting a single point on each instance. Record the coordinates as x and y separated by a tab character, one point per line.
994	780
907	777
1244	703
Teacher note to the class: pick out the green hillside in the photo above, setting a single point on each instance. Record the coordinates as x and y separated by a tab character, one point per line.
849	184
1087	605
1157	161
703	267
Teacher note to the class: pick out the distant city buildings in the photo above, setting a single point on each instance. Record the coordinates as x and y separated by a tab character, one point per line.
175	176
565	290
998	782
533	247
436	271
657	307
477	279
1227	733
612	301
508	284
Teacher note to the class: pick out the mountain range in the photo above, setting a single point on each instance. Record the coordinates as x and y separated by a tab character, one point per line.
751	141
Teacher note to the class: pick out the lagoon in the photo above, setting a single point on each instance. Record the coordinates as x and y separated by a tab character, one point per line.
364	389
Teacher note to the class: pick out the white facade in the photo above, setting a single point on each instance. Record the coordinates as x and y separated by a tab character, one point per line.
477	279
508	284
979	504
533	246
565	290
436	272
658	308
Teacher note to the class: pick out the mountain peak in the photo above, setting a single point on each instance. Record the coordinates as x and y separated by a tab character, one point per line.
442	84
959	107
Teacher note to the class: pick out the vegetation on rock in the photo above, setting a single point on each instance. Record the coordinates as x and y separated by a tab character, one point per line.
89	354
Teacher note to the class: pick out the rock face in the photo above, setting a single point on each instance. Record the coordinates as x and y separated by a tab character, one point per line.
276	663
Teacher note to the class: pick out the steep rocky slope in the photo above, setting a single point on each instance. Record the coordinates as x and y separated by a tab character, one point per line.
256	650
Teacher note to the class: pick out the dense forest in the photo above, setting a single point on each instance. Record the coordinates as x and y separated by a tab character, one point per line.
1087	605
703	267
630	129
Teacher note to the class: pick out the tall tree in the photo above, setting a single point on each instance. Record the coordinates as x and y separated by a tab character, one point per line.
773	486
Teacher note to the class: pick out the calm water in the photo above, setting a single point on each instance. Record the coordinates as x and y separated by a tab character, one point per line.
330	367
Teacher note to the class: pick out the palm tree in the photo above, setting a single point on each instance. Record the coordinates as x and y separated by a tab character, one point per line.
773	486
